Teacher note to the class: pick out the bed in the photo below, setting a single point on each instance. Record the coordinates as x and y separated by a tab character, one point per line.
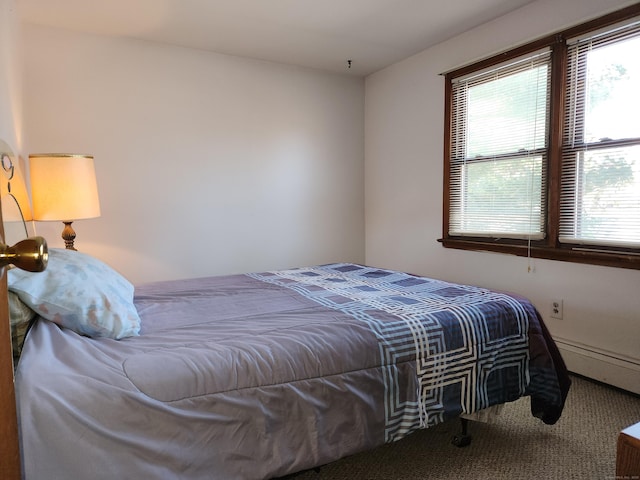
260	375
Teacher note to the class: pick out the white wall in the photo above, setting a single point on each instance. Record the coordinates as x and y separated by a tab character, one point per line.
207	164
11	117
10	78
404	120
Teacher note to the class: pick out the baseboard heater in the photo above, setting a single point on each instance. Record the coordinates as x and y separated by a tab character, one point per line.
602	365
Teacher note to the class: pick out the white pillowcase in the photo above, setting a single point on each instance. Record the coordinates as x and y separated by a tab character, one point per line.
79	292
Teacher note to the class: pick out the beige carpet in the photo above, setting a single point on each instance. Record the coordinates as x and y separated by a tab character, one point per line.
582	445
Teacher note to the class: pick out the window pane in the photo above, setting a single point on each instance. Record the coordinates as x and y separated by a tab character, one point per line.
498	142
500	198
600	184
613	91
605	208
508	113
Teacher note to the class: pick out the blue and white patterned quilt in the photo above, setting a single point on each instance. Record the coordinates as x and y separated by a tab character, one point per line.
470	345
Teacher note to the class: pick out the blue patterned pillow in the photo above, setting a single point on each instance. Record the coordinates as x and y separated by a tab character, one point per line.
81	293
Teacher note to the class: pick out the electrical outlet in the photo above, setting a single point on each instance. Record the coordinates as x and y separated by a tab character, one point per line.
556	308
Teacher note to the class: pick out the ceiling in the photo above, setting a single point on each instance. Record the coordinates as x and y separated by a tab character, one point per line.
322	34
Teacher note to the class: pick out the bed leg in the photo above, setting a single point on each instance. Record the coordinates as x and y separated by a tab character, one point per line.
464	439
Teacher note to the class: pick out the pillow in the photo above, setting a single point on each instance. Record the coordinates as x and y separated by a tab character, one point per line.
81	293
20	317
19	313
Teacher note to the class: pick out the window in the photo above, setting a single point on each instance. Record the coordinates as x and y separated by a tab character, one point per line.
600	196
500	150
542	147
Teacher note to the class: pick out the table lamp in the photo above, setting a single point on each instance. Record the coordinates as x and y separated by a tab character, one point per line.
63	188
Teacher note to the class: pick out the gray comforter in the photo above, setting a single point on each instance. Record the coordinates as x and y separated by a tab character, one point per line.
257	376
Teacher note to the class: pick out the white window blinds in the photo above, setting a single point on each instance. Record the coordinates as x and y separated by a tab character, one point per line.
600	186
498	150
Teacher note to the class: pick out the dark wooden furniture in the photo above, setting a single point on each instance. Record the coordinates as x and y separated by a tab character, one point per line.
628	454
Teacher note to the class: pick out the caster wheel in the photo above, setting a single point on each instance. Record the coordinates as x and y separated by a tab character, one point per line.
461	440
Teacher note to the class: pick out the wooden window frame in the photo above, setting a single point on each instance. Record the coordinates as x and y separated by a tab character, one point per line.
549	247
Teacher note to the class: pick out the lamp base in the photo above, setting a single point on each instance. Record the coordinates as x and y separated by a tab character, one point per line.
68	235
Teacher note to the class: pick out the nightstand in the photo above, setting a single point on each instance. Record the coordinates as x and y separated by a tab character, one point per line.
628	454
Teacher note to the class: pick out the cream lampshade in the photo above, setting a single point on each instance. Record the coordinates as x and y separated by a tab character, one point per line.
63	188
